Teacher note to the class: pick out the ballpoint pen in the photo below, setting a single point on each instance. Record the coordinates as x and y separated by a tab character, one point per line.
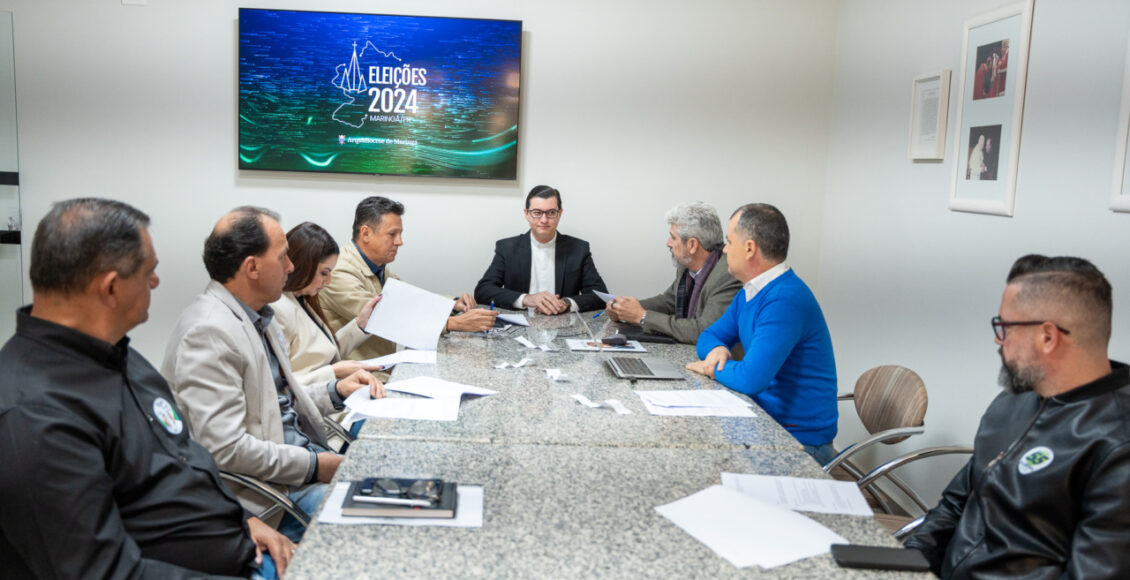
597	314
492	304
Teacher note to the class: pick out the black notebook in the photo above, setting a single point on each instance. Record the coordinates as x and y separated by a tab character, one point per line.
400	498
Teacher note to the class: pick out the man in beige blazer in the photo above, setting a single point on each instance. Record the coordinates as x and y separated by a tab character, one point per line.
700	292
362	270
229	370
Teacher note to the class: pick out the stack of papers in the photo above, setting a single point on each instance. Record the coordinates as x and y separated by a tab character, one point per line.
435	400
695	403
747	532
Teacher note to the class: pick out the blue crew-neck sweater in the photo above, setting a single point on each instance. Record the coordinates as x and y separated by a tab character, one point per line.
788	367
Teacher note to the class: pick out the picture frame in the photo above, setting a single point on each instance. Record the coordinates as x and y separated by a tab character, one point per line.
994	70
1120	193
929	112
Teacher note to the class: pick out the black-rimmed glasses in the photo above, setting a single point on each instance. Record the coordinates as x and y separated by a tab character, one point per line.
549	213
999	326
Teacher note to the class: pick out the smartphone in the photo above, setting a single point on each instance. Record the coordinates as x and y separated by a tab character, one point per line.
879	558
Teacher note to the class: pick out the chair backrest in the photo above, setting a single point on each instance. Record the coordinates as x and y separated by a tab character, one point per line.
890	396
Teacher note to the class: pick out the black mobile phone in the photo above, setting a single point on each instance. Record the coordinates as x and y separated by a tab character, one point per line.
879	558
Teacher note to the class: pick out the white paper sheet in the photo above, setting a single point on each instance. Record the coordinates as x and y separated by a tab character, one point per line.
409	315
693	398
585	345
747	532
519	319
691	404
826	496
436	388
427	357
468	512
604	296
415	408
525	342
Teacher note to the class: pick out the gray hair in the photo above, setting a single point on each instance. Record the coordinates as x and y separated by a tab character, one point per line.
697	220
79	239
766	226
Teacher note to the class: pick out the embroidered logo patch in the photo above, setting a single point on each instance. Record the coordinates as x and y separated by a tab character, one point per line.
1035	459
167	416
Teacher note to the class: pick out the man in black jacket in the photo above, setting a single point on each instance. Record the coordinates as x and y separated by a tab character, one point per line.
543	268
100	478
1046	492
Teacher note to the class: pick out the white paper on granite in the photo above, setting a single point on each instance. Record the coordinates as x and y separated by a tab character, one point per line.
747	532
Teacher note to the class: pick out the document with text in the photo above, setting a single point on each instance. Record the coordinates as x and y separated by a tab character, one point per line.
826	496
409	315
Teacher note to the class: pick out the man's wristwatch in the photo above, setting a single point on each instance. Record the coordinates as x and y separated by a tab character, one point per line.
643	318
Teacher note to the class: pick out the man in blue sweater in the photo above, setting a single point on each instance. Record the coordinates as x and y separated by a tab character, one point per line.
788	367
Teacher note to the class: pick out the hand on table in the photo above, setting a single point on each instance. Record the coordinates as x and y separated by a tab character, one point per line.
715	361
473	320
626	309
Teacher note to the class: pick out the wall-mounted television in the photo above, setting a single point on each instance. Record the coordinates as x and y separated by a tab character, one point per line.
378	94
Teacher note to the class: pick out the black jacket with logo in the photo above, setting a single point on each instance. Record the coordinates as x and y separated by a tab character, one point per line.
98	476
1046	493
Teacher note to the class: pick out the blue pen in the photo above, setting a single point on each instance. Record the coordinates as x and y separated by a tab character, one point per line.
492	304
597	314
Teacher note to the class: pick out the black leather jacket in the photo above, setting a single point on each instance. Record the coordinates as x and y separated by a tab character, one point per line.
1046	493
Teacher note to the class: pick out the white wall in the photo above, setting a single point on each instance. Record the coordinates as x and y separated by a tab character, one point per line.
628	107
903	279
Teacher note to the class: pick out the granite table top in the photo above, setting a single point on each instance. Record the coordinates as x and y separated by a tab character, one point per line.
530	408
559	511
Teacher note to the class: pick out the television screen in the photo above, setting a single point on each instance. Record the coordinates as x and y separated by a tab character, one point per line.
379	94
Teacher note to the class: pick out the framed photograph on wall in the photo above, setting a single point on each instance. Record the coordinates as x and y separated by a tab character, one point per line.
929	110
1120	195
994	63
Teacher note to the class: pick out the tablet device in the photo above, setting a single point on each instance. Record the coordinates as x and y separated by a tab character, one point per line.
879	558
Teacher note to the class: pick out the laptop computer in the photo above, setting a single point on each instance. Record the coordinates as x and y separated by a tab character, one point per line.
637	368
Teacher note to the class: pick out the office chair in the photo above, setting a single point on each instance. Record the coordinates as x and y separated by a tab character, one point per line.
900	525
891	403
279	501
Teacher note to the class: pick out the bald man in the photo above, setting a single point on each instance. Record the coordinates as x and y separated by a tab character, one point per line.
229	369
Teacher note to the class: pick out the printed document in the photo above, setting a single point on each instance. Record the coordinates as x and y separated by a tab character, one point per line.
427	357
826	496
695	403
409	315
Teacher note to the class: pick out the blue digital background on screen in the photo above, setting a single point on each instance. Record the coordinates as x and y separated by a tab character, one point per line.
380	94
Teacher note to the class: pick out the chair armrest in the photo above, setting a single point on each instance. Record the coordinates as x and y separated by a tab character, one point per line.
337	429
271	494
846	397
901	533
879	437
886	468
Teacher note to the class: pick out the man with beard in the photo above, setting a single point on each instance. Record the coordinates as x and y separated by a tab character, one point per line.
700	292
1051	459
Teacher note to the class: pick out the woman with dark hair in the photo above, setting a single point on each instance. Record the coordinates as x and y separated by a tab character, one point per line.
316	353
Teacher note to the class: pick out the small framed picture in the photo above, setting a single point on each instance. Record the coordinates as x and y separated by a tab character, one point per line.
929	110
1120	194
987	151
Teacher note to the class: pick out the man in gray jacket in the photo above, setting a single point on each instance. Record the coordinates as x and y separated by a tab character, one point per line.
700	292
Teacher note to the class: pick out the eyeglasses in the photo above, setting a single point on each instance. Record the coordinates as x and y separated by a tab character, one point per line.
426	489
999	326
549	213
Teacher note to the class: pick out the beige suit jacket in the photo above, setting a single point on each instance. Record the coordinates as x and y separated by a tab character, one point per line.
220	375
311	350
351	286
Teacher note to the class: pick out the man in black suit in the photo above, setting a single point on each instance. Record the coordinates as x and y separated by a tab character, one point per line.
542	269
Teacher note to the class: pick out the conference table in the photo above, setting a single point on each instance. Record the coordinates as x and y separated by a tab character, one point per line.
568	491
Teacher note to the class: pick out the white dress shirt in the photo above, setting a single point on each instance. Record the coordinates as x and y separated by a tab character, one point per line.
763	279
543	260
